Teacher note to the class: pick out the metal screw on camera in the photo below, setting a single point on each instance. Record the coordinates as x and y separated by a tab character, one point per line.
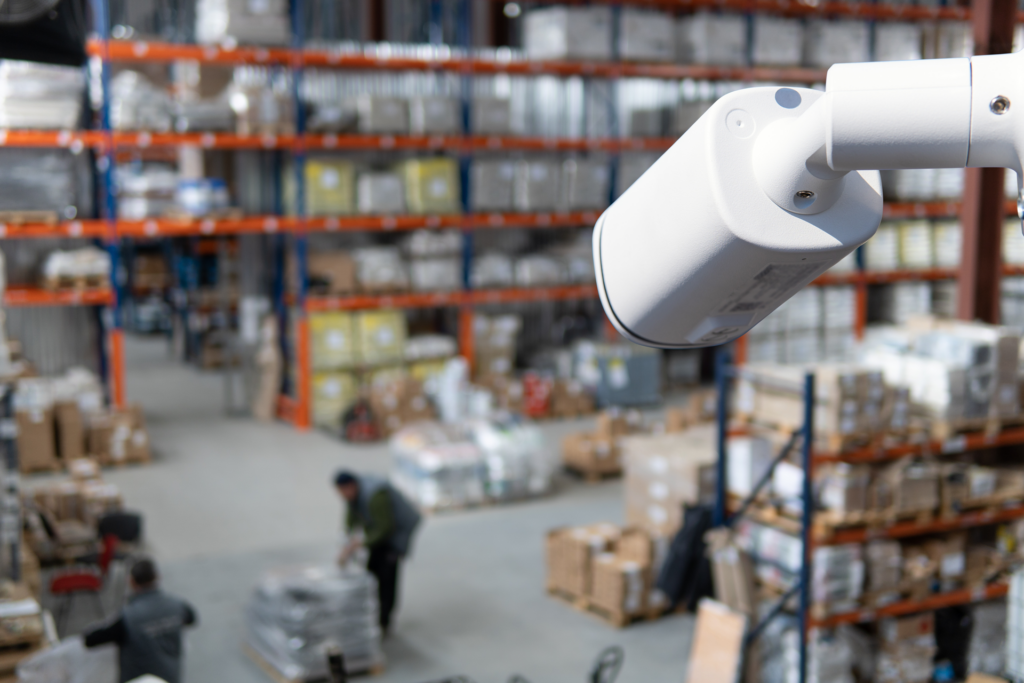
999	104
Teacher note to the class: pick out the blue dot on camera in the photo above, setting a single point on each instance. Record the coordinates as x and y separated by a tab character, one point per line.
788	98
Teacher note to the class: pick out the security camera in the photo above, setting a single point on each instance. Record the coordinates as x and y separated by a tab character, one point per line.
774	185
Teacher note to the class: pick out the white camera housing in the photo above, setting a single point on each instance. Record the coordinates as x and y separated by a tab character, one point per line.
774	185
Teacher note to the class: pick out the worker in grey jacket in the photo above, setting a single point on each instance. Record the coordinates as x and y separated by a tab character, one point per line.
387	521
148	630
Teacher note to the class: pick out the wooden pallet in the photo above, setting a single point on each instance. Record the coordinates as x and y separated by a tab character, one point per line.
230	213
50	218
593	477
271	671
612	618
76	282
37	468
942	430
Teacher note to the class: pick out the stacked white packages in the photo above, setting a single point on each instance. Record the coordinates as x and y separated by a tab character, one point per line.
87	262
34	95
897	41
777	41
916	244
137	104
296	615
948	243
882	251
1012	302
575	33
45	180
646	36
899	302
708	38
1013	242
469	462
986	651
256	22
836	42
1015	626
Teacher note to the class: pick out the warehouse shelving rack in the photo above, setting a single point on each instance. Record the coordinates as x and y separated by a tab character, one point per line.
727	512
371	57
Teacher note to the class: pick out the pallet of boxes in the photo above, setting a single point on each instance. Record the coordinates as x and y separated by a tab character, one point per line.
596	455
25	629
605	571
62	419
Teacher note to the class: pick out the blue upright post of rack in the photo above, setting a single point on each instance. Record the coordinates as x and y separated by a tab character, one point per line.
300	241
112	365
807	460
722	380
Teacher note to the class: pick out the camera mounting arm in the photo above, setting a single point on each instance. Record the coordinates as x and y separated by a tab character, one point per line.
940	113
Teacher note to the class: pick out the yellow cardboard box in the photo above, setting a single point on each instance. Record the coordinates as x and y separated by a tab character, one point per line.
432	185
333	394
330	187
333	340
382	337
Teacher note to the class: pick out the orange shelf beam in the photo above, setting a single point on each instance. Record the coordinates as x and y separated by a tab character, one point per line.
34	296
960	443
967	520
88	228
50	138
443	299
959	597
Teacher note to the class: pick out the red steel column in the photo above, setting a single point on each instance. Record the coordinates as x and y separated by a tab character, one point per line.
983	206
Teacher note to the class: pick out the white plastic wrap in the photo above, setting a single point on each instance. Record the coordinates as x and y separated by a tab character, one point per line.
539	270
429	347
45	180
137	104
493	270
431	243
75	263
295	615
436	274
34	95
260	22
70	662
380	193
380	269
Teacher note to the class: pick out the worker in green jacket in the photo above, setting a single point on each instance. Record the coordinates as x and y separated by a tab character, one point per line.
387	521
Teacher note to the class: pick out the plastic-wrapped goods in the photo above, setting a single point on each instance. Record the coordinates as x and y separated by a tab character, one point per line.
45	180
519	463
912	184
584	184
380	269
948	40
897	41
137	104
777	41
899	302
847	264
70	661
74	264
333	340
709	38
432	186
382	115
648	122
1012	302
432	243
944	298
948	239
490	116
490	187
686	114
539	270
1015	626
145	193
1013	242
916	244
34	95
632	165
435	476
949	183
203	115
430	347
882	251
332	117
261	109
838	576
839	307
382	336
837	42
202	196
748	460
380	193
333	394
578	264
986	651
435	116
492	271
442	274
330	186
830	656
295	615
646	36
537	185
575	33
256	22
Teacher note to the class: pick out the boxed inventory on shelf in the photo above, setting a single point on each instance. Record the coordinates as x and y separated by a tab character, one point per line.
598	452
646	36
40	96
578	33
622	374
456	465
380	192
435	116
584	184
432	186
491	116
536	185
490	187
777	41
241	21
330	187
711	38
831	42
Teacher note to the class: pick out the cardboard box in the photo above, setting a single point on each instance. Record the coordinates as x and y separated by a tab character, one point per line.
646	36
381	336
333	394
537	185
490	187
37	448
884	563
570	399
585	184
907	487
570	553
435	116
572	33
491	116
894	631
618	585
747	461
380	193
844	488
712	38
733	572
333	340
432	186
948	553
332	272
718	644
70	430
382	115
330	187
398	403
591	454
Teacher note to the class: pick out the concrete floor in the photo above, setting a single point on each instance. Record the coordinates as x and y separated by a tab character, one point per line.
228	498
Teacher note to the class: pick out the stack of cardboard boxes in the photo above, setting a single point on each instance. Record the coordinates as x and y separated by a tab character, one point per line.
605	568
22	631
598	453
907	649
396	404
